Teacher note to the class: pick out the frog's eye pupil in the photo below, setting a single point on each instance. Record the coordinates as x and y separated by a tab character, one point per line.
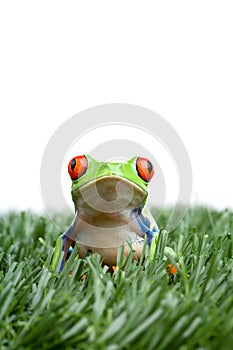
77	167
149	167
144	168
73	163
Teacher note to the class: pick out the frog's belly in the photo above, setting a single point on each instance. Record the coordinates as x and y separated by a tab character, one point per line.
109	254
105	241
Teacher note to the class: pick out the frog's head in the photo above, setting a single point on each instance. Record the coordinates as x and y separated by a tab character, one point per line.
109	186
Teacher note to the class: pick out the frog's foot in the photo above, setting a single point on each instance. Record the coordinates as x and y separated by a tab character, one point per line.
112	269
171	255
171	269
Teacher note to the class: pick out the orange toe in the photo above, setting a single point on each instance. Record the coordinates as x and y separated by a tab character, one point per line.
171	268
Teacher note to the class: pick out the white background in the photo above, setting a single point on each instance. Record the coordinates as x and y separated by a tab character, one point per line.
60	57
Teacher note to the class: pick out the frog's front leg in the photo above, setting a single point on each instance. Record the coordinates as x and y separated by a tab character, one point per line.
64	245
67	245
69	240
148	228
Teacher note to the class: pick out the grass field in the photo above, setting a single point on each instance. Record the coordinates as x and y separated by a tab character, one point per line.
138	307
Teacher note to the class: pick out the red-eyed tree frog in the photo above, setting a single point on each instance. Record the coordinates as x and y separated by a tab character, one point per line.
109	200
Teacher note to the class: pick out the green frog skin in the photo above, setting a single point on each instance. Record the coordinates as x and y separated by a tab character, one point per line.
110	208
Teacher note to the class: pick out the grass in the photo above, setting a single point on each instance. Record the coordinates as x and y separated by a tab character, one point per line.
136	307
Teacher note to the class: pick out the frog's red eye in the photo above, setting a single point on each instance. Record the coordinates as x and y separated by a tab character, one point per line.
77	167
144	168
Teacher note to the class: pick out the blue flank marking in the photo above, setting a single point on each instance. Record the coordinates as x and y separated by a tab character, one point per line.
61	266
143	222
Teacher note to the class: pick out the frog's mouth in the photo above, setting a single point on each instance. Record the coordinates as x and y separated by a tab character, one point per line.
109	194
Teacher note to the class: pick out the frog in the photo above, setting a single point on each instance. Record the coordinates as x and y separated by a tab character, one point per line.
110	209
